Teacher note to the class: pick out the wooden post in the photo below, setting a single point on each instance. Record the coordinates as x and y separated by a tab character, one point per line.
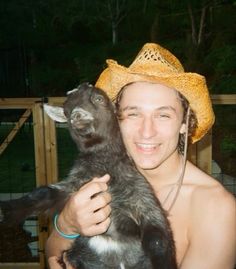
51	150
204	153
41	175
192	153
200	153
51	154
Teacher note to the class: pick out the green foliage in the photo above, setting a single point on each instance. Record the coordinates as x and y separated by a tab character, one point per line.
225	84
228	145
57	71
221	65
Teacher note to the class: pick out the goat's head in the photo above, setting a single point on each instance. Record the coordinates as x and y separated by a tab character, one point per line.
89	114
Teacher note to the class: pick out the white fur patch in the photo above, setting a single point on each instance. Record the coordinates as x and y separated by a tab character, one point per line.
102	244
76	89
70	92
122	266
56	186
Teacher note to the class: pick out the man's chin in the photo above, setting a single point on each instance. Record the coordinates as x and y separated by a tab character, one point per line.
147	165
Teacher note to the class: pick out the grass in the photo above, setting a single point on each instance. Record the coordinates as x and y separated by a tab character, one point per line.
17	163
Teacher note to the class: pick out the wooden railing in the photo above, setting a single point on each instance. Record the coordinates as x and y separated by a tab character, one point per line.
201	152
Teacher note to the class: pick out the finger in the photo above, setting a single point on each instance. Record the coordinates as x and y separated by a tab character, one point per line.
93	187
99	201
102	214
68	266
90	189
99	228
97	210
104	178
53	263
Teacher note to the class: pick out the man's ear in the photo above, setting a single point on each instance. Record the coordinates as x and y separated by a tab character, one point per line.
114	107
182	128
55	112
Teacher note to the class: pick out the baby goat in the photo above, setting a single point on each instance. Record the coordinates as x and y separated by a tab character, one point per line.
139	235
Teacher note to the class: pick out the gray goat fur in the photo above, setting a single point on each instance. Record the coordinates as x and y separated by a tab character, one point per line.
139	235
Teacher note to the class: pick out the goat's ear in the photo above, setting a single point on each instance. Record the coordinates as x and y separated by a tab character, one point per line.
55	112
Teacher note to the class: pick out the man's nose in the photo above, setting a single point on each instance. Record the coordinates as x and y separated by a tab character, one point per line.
147	128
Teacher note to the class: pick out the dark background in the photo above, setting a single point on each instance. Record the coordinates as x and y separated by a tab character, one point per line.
47	47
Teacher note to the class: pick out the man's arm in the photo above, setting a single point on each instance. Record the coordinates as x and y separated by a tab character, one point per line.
54	247
212	230
87	212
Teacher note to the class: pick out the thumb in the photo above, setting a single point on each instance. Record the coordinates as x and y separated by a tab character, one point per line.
103	179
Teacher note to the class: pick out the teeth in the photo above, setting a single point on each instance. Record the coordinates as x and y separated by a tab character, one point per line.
146	146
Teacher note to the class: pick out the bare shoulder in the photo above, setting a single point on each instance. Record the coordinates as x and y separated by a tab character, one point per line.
213	208
208	192
212	220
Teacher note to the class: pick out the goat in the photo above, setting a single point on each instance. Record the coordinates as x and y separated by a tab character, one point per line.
139	235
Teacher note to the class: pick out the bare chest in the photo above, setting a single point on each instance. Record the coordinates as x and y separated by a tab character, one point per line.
179	225
179	217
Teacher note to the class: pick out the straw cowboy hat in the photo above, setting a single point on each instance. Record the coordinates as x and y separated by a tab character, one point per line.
157	65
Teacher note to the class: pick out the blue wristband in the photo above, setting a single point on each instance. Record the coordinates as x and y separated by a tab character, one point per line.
67	236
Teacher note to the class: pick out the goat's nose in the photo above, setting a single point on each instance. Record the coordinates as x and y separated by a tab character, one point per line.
76	116
77	121
79	114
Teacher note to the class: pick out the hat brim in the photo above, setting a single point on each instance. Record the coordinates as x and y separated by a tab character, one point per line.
191	85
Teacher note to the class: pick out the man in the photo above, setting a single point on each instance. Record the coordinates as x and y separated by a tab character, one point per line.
153	121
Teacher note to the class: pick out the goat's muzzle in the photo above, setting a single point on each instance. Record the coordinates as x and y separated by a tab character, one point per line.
79	118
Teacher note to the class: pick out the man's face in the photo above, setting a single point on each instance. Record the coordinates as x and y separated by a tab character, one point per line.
151	122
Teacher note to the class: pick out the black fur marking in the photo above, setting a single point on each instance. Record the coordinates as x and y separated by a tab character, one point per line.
139	225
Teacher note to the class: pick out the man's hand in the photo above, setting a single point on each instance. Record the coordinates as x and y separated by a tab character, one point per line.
87	213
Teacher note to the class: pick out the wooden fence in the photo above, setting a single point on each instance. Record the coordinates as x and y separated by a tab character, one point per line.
45	147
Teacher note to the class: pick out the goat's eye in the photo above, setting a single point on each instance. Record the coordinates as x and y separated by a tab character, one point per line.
98	99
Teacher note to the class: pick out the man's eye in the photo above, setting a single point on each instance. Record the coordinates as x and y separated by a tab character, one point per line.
132	115
164	116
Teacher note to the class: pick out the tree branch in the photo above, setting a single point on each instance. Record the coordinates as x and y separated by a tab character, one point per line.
202	24
193	27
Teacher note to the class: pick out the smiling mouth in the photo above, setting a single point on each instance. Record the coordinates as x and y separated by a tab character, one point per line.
147	147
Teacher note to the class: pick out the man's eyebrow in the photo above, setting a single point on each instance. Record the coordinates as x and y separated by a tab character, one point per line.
166	108
157	109
129	108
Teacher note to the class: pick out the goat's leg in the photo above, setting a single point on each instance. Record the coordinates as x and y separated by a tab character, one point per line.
45	199
157	239
159	246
